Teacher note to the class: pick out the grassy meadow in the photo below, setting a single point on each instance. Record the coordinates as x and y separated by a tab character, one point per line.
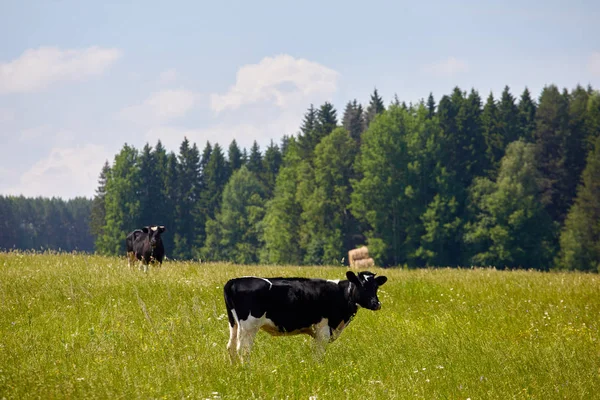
82	326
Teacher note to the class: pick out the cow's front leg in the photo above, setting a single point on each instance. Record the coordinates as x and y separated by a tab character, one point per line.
322	336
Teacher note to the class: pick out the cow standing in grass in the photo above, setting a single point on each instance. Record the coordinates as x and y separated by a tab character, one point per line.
290	306
146	245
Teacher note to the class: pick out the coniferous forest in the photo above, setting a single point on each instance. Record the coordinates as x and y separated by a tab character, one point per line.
504	181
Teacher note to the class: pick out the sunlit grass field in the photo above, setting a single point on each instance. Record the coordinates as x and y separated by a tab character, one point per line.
80	326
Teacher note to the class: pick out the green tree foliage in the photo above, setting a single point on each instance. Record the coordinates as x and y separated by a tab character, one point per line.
234	156
375	108
282	218
580	238
527	109
235	234
326	217
378	196
121	202
254	163
271	163
45	224
508	117
493	136
98	212
512	228
187	219
551	136
353	120
430	106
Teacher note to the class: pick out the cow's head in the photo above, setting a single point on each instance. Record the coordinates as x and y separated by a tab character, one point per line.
366	288
154	234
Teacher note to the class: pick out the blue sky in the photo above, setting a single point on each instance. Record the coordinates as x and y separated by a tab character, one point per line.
79	79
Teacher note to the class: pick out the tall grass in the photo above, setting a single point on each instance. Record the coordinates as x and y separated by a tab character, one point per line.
81	326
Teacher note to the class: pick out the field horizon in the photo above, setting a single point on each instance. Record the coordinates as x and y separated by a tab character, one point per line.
88	326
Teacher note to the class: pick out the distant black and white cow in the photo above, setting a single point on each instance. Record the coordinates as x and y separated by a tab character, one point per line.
290	306
129	240
146	245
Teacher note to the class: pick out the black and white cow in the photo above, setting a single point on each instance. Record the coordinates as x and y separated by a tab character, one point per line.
147	245
129	240
290	306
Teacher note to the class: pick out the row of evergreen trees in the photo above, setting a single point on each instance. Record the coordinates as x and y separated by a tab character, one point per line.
45	224
503	182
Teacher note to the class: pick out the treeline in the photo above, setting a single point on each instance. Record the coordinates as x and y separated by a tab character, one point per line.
45	224
504	182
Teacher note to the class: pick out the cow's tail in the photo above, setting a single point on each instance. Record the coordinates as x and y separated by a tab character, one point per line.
228	292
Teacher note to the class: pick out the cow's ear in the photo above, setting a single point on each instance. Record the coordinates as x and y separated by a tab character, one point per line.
161	229
380	280
145	229
353	278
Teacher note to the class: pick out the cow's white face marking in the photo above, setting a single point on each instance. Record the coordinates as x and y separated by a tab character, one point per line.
367	277
154	228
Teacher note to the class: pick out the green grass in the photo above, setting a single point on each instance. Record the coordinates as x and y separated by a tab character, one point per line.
78	326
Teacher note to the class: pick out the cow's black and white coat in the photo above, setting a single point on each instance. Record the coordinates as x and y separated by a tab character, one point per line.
145	245
290	306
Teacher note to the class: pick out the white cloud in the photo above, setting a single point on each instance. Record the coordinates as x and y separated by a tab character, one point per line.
283	80
38	68
168	76
447	68
65	172
161	106
594	64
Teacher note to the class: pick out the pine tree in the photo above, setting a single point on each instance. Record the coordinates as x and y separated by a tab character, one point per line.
551	136
353	120
527	109
271	163
98	211
493	136
508	117
189	194
326	122
235	233
234	157
172	199
255	160
327	219
216	176
282	218
430	106
580	238
150	189
375	108
121	202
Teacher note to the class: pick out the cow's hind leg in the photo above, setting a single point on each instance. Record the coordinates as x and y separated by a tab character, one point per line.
232	344
247	330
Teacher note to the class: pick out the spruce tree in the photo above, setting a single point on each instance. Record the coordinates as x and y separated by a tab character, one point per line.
375	108
580	238
234	157
271	163
527	109
508	117
98	211
255	160
551	136
353	120
493	136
